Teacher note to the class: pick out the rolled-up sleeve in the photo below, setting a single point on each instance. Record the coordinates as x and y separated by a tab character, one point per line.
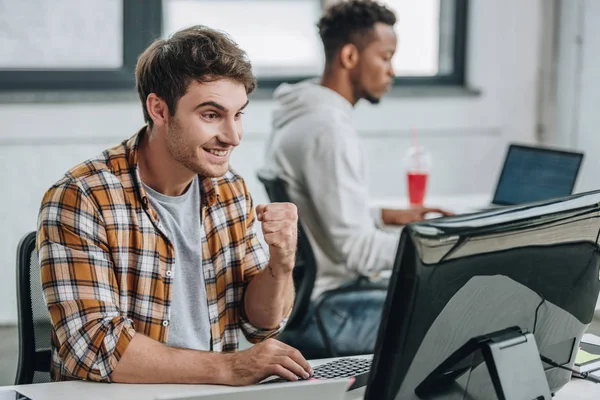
255	261
79	285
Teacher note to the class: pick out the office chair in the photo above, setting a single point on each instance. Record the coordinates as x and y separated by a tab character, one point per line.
305	270
327	305
34	319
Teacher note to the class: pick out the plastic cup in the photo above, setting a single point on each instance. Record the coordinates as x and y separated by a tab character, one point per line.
417	185
418	166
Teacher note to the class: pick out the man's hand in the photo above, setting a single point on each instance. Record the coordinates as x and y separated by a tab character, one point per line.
270	357
403	217
280	229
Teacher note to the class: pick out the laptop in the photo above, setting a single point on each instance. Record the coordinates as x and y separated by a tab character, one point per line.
535	173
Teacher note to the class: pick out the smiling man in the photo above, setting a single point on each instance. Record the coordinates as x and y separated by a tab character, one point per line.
149	257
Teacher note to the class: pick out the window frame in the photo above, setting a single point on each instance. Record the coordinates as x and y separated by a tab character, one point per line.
459	56
142	23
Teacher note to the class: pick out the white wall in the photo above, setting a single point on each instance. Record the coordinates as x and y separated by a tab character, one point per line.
577	119
466	134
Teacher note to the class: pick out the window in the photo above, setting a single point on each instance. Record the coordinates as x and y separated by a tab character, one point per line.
431	40
74	44
281	38
418	32
90	44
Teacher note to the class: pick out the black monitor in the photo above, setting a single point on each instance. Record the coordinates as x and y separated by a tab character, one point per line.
534	267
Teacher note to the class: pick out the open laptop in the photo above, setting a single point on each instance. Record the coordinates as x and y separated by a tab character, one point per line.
536	173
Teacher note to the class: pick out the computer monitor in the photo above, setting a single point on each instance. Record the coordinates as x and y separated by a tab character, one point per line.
534	266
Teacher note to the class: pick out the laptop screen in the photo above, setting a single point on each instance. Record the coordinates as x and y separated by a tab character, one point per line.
533	174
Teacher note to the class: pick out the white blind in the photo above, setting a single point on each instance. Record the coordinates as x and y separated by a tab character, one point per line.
280	37
61	34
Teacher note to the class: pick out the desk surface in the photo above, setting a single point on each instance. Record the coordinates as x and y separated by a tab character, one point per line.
76	390
458	204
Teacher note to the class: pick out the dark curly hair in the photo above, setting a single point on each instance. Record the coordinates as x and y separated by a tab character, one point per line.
198	53
351	22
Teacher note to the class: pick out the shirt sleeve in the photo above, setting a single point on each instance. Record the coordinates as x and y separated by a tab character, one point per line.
336	180
79	284
255	261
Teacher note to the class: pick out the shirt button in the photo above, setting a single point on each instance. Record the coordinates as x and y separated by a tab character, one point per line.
169	273
165	323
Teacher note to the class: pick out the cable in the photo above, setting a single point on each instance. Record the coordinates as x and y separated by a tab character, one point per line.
537	310
582	375
469	378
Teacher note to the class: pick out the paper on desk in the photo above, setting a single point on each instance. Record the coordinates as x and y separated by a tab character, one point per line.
585	357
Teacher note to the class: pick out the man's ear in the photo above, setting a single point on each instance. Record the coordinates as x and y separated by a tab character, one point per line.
157	109
349	56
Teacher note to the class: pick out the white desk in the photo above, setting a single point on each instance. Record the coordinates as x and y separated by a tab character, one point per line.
458	204
76	390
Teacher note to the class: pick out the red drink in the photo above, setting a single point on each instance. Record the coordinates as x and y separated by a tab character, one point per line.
417	182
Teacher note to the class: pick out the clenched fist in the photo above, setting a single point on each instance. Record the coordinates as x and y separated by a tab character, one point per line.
280	229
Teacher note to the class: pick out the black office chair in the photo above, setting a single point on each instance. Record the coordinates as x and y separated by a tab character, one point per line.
305	272
34	319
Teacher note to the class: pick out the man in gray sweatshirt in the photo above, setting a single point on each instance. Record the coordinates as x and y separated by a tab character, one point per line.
316	150
315	147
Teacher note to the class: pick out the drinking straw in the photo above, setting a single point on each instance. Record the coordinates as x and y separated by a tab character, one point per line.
415	138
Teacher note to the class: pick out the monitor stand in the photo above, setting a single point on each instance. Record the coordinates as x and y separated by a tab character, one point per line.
512	359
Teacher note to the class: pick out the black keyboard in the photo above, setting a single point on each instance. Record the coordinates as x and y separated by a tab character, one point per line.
343	368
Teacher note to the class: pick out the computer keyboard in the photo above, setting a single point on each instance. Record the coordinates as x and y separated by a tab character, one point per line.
343	368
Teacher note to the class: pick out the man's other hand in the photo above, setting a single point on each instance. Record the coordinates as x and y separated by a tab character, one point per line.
270	357
404	217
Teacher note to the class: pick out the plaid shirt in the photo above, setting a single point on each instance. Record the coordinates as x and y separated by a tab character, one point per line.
104	259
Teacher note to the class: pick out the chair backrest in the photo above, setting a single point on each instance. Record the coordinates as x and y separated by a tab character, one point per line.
34	319
305	270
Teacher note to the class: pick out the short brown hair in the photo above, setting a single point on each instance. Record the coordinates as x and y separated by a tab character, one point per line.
168	66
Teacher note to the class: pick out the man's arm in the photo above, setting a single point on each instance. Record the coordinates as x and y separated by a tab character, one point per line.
79	284
148	361
270	294
269	299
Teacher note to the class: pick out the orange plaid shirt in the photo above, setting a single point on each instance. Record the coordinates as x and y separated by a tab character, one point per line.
104	256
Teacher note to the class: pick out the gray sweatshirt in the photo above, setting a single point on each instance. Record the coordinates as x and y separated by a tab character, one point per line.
315	148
